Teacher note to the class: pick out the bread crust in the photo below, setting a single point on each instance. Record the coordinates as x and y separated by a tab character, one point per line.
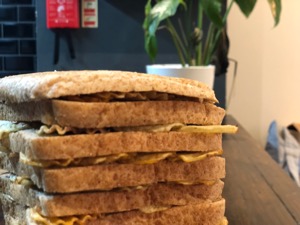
118	114
208	213
204	214
113	114
109	176
124	175
47	85
162	194
31	111
119	201
91	145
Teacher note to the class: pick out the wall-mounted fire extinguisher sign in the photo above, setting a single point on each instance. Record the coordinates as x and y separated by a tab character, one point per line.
63	14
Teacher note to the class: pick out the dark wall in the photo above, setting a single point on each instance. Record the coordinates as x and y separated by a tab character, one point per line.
17	37
116	44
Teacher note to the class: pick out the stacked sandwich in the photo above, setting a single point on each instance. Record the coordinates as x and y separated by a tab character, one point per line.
110	147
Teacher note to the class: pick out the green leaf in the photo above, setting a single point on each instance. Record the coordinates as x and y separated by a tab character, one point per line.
212	9
275	9
147	17
246	6
162	10
151	47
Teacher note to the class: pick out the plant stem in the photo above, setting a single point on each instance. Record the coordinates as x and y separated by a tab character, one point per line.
227	11
199	59
188	30
208	44
214	37
212	45
177	42
183	35
219	31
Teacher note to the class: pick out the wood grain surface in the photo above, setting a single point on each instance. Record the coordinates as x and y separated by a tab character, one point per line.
257	190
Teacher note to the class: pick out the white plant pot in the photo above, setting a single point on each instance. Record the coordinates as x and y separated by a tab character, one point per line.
204	74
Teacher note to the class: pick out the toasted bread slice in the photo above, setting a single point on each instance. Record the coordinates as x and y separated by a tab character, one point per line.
113	114
49	85
52	147
207	213
109	176
118	200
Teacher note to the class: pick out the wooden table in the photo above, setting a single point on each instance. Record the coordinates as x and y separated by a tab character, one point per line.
257	190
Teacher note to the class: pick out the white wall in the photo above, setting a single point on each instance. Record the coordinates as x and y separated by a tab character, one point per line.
268	81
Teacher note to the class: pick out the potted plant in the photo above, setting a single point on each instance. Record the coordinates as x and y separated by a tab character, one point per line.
196	49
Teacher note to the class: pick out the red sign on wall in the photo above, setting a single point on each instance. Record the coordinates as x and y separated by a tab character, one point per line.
62	14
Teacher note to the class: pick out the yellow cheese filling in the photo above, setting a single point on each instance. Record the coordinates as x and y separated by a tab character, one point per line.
82	219
68	220
26	181
133	158
204	182
179	127
7	127
129	96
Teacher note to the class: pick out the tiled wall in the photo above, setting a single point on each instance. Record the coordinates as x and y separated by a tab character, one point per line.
17	37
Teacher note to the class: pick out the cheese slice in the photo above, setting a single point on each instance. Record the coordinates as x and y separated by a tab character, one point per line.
204	182
209	129
182	128
7	127
179	127
54	129
128	96
153	128
134	158
81	219
149	158
68	220
192	157
153	209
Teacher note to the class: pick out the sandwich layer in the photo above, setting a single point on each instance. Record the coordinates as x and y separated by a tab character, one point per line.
135	113
205	214
119	200
125	175
78	114
164	195
51	147
46	85
109	176
208	213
